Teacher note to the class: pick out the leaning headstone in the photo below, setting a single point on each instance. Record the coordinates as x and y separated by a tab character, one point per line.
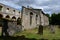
52	28
19	28
40	30
11	32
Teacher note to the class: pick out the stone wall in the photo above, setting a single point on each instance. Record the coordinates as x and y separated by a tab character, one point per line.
13	28
46	20
26	18
7	10
42	19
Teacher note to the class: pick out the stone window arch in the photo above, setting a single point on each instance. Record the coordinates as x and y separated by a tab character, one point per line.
1	16
7	8
13	17
13	10
7	16
36	18
31	14
19	21
1	7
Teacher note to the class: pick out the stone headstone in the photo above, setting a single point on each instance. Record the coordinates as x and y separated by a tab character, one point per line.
52	28
11	32
40	30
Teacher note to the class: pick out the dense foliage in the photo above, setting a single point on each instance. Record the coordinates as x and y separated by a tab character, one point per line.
54	19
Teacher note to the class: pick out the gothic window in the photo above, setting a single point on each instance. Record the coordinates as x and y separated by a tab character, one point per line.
1	7
36	18
31	14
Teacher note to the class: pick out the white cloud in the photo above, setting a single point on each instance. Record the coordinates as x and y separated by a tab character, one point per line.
48	6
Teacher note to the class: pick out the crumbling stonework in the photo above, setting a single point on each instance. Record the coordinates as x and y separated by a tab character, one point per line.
42	19
30	17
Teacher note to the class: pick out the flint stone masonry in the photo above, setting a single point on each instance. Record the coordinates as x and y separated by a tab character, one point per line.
42	19
7	10
13	28
30	18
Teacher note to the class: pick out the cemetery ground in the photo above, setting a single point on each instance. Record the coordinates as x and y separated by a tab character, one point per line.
32	35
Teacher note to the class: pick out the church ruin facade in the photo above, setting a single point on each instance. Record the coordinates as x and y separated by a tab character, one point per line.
30	17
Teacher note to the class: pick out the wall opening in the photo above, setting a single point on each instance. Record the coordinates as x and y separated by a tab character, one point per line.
7	8
19	21
31	14
1	7
7	16
1	16
13	17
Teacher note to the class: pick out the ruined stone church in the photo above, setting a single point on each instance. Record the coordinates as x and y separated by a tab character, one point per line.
30	17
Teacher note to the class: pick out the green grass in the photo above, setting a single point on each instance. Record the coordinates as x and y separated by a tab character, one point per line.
30	34
46	34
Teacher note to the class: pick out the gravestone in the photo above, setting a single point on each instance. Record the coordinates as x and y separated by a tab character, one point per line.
40	30
52	28
19	28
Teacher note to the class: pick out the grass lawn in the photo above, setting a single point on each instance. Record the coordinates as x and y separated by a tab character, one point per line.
30	34
46	34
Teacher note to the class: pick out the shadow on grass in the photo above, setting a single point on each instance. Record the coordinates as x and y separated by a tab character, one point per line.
18	38
21	38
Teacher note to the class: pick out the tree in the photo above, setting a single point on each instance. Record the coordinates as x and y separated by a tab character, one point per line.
55	19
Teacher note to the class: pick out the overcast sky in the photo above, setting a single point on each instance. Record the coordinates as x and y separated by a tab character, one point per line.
48	6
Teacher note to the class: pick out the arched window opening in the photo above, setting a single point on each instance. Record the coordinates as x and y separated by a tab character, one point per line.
19	21
31	14
7	8
13	17
1	16
7	16
13	10
1	7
